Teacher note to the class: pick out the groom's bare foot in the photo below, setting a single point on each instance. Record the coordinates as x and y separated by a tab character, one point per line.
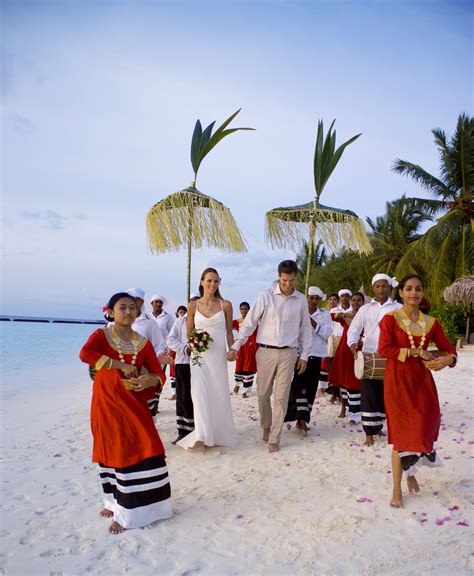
105	513
302	428
273	448
115	528
198	446
413	486
266	434
236	389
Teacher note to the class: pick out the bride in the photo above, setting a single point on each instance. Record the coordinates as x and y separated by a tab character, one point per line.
213	420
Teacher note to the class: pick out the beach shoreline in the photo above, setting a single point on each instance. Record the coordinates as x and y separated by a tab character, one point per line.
320	506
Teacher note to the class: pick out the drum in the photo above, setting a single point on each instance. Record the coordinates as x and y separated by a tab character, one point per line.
369	366
333	343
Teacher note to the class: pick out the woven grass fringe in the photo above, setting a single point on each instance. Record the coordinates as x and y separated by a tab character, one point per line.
191	214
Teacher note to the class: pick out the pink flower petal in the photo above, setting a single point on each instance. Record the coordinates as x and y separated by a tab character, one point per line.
288	426
239	516
455	507
462	523
439	522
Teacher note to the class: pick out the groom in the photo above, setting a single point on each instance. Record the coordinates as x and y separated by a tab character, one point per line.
284	338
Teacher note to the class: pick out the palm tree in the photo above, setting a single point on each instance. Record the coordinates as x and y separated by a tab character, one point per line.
446	250
319	257
392	233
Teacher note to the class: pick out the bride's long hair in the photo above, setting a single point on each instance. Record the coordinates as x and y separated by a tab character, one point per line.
203	275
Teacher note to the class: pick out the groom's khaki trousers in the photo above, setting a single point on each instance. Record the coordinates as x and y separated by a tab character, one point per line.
275	369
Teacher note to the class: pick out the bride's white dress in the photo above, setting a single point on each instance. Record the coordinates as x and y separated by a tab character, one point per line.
210	392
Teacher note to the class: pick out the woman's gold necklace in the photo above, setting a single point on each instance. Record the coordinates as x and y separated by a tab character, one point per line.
409	324
120	352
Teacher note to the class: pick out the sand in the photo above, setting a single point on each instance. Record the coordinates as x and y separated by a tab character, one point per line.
319	506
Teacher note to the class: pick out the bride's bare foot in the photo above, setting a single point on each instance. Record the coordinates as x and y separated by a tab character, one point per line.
396	501
273	448
236	389
105	513
266	434
369	440
413	486
115	528
198	446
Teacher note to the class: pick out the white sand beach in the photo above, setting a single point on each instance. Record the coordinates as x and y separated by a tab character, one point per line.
319	506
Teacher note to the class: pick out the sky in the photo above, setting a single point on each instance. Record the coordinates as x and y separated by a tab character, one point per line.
99	102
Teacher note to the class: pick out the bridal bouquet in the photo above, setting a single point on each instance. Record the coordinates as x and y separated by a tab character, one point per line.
198	341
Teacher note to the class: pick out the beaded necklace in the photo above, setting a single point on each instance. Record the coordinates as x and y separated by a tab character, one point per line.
118	341
409	324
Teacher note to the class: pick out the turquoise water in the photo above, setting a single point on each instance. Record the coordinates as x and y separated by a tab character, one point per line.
36	354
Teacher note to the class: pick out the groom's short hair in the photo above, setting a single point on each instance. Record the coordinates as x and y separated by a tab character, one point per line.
287	267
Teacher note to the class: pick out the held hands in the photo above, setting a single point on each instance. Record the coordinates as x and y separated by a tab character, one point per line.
129	370
232	355
354	350
165	358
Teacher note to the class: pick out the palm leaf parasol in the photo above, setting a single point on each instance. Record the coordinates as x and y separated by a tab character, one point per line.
191	218
290	226
462	291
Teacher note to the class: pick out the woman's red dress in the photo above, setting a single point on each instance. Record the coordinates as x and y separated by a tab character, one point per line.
411	399
342	367
246	361
122	426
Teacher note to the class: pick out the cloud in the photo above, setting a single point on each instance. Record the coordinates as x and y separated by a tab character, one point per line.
49	218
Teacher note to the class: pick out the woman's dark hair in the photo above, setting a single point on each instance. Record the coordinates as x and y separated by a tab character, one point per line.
244	304
358	294
335	295
181	308
405	279
203	275
287	267
113	300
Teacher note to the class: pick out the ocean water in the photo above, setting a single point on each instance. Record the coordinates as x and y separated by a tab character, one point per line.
38	355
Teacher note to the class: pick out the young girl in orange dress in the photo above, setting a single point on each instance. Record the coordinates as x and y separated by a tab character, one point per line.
126	445
246	363
411	399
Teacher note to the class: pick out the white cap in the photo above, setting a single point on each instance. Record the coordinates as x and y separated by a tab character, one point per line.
315	291
136	293
393	282
344	291
157	297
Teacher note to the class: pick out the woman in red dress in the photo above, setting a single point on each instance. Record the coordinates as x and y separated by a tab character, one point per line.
246	363
341	373
126	444
411	399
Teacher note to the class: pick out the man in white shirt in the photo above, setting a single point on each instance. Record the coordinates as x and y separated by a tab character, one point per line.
366	324
284	333
304	386
146	326
178	342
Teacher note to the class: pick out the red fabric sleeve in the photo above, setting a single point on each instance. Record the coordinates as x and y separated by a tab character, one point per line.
441	340
94	348
387	338
235	325
339	320
151	362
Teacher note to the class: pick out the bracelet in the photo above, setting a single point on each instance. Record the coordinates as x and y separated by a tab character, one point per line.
108	364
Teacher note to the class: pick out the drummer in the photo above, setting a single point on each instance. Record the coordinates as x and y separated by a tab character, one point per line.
366	322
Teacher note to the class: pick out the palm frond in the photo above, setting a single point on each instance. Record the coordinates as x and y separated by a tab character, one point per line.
422	177
326	156
189	214
203	142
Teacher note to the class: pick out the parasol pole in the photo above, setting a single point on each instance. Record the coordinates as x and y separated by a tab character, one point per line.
190	236
312	233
